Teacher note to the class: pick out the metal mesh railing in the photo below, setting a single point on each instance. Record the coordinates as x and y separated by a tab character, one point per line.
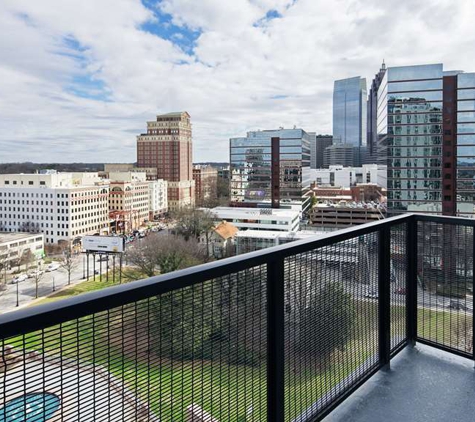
331	338
445	285
193	349
399	288
277	335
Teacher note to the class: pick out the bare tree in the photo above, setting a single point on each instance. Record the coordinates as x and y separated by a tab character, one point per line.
38	275
166	254
68	262
192	223
3	270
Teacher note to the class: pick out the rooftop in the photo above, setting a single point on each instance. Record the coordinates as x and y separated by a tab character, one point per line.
11	237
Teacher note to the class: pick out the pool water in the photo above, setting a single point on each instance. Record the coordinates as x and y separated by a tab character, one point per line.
31	407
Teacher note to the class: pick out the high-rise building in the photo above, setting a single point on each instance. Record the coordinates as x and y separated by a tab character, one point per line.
62	206
372	113
206	183
270	168
167	146
318	143
426	134
344	155
349	111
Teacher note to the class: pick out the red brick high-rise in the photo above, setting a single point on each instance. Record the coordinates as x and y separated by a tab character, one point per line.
167	146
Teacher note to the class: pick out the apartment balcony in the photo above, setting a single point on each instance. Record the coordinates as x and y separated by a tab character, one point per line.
369	323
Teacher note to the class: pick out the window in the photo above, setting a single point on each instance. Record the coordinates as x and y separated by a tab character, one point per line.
30	182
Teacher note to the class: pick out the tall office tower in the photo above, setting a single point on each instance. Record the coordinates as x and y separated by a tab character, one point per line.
340	154
349	111
318	143
426	128
270	168
372	115
167	146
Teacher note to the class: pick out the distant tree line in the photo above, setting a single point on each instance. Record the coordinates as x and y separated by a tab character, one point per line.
28	167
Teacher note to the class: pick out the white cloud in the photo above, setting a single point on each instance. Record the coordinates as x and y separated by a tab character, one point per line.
245	72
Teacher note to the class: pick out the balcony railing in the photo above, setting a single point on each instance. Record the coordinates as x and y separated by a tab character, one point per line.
282	334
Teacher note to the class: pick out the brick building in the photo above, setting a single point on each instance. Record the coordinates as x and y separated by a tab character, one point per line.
167	146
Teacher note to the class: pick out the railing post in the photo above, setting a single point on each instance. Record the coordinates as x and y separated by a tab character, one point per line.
411	281
275	340
384	298
473	284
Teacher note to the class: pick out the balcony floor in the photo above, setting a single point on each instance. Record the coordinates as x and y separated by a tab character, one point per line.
423	384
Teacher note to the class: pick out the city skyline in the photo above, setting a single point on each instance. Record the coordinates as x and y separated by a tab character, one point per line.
73	90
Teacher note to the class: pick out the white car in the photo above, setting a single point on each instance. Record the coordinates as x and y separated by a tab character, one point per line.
19	278
52	267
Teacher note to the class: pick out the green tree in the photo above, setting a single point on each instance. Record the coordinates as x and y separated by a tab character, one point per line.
327	323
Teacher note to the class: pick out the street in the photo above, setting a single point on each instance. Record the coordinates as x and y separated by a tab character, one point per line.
27	288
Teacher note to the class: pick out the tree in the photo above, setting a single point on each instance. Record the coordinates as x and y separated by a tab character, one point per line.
165	254
37	277
327	323
192	223
68	262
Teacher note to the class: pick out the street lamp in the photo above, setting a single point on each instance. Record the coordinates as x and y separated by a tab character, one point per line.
54	289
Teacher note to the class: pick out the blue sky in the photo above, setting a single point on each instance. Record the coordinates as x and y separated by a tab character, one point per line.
79	83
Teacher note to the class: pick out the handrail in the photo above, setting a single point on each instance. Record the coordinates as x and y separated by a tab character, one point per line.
47	315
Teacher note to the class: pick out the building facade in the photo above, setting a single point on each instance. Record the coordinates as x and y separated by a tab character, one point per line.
259	219
151	172
349	111
341	215
167	146
128	201
372	113
350	176
158	198
62	206
206	184
426	134
345	155
270	169
318	143
15	246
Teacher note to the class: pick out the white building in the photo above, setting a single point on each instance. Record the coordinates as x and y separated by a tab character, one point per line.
62	206
220	241
158	200
254	240
350	176
14	246
259	218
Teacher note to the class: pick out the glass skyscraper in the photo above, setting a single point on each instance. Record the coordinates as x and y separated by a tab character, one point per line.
270	168
349	111
426	134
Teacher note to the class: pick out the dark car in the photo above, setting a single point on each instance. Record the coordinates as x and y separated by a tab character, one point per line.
457	306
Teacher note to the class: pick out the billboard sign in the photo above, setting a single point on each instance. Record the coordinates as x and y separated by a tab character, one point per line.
103	244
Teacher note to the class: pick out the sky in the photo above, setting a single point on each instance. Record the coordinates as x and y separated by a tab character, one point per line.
80	79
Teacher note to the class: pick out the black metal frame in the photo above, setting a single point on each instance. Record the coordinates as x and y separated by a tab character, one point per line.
40	317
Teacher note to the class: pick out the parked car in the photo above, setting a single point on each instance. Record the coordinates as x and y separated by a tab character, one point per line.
33	274
52	267
103	258
19	278
372	294
400	291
